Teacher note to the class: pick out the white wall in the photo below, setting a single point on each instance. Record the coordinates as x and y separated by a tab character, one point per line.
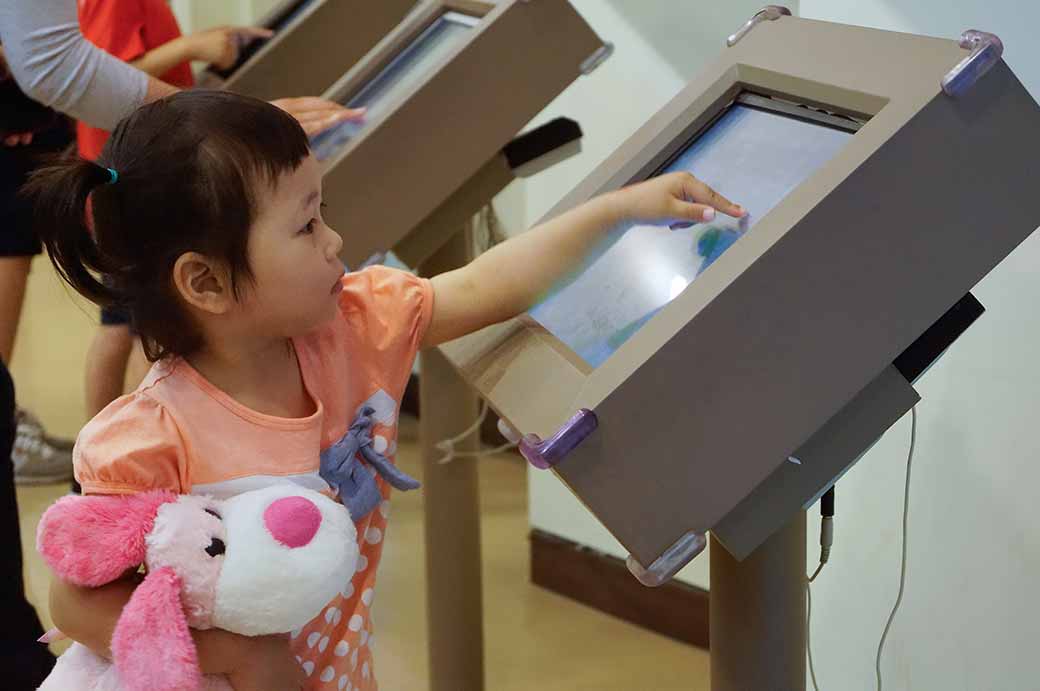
182	9
969	619
659	45
194	15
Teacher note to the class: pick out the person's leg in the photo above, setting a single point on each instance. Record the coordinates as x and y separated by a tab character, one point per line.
138	367
21	656
106	366
38	457
14	275
19	242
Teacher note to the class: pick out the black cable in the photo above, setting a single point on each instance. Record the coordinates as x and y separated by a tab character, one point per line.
827	503
826	539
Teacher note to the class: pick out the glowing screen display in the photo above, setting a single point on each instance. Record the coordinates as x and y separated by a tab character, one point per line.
752	156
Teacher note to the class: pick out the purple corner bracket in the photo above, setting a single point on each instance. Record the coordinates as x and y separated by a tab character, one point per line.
986	51
547	453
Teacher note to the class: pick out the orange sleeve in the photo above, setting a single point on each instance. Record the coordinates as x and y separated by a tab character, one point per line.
133	445
390	310
115	27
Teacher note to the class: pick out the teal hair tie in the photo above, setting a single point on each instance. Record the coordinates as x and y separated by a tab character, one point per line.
113	176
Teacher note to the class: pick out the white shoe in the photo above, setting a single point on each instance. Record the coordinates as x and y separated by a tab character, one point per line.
39	458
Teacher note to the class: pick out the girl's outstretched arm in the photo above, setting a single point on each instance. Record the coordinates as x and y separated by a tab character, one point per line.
510	278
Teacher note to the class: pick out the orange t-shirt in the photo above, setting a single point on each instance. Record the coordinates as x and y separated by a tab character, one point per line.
127	29
179	432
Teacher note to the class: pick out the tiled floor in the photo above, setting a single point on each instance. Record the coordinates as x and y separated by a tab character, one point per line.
533	639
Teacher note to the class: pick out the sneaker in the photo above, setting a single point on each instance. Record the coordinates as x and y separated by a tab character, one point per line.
39	458
31	425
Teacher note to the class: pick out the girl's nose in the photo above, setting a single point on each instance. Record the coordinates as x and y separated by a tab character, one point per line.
334	246
292	521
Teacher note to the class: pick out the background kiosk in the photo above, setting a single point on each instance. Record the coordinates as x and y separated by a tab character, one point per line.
447	91
314	42
669	383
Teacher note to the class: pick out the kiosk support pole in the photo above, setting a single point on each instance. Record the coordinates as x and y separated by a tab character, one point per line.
452	513
757	614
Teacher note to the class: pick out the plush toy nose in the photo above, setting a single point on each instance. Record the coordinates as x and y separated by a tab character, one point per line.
292	521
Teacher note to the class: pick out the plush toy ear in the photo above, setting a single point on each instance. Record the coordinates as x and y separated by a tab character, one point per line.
91	541
152	648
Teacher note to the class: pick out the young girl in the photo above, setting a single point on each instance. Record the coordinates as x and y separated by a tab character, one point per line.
145	34
207	210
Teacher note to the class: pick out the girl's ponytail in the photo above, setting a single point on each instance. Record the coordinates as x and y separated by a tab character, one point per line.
59	192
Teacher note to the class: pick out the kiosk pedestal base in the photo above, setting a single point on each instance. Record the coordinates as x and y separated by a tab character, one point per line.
757	614
452	511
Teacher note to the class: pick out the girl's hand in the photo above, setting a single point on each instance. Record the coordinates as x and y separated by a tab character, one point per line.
318	114
676	199
220	46
269	665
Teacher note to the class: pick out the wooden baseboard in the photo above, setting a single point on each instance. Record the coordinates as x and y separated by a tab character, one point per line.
602	581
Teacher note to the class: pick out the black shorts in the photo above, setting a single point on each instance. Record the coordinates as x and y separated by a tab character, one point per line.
115	316
18	237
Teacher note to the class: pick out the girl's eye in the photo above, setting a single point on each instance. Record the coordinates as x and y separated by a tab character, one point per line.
309	228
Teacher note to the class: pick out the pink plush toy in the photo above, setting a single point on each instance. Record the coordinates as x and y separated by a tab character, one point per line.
263	562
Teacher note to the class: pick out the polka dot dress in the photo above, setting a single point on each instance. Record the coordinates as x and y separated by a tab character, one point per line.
336	648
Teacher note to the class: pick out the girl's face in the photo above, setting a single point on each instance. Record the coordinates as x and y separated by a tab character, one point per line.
294	257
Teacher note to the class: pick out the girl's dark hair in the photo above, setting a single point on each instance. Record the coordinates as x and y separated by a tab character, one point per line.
191	170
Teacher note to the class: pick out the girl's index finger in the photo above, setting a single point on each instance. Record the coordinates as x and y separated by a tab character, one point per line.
700	192
720	203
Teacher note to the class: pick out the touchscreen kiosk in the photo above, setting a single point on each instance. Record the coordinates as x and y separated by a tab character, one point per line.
314	43
445	92
398	78
677	373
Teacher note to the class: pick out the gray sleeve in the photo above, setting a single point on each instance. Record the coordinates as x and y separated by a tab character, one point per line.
55	65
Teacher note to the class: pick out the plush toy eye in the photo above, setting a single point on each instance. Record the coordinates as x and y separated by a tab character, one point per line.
216	546
211	512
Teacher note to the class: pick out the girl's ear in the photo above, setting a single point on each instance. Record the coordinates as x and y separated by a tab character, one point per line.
203	283
91	541
152	646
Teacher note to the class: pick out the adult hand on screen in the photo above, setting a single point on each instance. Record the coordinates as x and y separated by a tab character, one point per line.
318	114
